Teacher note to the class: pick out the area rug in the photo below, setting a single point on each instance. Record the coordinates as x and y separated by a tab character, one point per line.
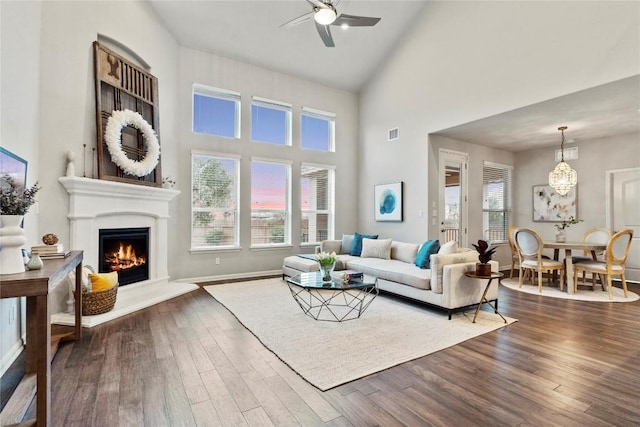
328	354
597	295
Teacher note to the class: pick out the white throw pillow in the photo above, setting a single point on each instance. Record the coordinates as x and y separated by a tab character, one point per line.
376	248
405	252
449	248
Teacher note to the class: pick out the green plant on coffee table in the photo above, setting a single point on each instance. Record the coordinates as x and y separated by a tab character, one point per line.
15	200
485	251
325	259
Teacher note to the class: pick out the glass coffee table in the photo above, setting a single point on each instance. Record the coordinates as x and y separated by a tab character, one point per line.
334	301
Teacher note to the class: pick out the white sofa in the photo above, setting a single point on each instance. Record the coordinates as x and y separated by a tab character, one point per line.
443	285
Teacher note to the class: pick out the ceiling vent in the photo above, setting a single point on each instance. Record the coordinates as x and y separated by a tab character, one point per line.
393	134
569	154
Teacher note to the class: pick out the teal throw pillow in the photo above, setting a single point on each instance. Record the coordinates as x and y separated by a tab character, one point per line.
423	259
356	248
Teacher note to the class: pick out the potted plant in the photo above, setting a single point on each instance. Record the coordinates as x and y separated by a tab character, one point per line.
14	203
327	262
13	199
485	252
561	234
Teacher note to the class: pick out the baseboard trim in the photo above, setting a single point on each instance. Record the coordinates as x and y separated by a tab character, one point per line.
10	356
231	277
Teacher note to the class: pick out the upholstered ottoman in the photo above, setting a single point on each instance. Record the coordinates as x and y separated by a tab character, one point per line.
295	264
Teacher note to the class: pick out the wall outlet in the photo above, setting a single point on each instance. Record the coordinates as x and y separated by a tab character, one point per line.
217	261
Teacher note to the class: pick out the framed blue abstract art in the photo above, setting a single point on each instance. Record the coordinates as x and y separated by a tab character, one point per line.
388	202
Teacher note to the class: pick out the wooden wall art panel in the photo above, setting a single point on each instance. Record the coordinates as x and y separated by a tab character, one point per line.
121	85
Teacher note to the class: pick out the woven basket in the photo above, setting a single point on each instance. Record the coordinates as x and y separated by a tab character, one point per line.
98	302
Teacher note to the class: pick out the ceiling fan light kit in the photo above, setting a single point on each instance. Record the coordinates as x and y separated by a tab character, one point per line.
324	14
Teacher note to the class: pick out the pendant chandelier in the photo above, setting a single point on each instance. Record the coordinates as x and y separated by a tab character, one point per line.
563	178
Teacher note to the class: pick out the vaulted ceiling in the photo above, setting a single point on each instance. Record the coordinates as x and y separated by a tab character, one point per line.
249	31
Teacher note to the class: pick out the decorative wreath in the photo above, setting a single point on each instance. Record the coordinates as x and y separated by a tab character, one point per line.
113	136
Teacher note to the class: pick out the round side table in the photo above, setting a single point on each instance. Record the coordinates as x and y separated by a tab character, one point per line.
484	300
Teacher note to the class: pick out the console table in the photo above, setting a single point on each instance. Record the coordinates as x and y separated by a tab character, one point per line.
36	285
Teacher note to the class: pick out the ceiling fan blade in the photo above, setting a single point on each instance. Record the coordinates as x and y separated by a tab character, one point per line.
325	34
355	21
299	20
317	3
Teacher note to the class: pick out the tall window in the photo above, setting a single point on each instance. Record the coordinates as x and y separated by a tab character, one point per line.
316	203
214	201
270	121
317	130
216	111
270	205
496	200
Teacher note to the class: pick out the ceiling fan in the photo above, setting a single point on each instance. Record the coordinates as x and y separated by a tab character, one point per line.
324	14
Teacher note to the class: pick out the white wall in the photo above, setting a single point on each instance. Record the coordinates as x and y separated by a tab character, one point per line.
67	96
19	115
48	101
468	60
595	158
249	80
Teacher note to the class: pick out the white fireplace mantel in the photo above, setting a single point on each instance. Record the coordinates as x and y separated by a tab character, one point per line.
98	204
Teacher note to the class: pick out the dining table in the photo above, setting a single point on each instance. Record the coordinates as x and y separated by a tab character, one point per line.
568	247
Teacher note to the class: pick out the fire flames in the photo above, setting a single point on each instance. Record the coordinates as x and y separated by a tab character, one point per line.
124	258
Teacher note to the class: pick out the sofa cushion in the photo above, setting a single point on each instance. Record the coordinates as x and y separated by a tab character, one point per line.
347	243
301	263
374	248
423	258
329	246
449	248
342	260
404	251
356	248
438	261
392	270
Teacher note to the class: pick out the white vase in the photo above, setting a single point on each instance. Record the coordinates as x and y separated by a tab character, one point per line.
561	236
11	241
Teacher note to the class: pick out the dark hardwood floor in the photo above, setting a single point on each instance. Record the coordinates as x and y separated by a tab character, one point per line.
189	362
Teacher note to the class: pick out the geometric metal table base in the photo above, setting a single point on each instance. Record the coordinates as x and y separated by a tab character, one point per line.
332	302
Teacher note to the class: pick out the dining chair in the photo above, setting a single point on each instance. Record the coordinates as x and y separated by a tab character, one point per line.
529	245
613	264
515	258
595	235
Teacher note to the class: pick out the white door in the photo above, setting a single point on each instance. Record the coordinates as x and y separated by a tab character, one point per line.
453	196
623	199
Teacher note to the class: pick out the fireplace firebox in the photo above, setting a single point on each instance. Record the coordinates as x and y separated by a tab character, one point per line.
125	250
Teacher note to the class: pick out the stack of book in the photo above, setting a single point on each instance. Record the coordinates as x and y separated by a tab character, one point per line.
350	276
50	251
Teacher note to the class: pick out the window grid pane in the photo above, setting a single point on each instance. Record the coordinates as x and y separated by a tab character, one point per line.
269	203
496	202
216	113
316	132
214	214
315	199
270	123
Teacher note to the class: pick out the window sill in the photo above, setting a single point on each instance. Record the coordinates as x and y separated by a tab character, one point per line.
202	251
271	247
